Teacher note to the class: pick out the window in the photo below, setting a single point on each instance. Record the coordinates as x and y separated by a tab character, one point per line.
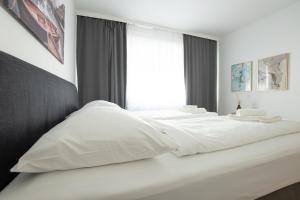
155	69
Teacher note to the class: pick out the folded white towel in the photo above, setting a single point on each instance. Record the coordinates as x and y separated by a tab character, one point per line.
250	112
198	111
270	119
263	119
190	107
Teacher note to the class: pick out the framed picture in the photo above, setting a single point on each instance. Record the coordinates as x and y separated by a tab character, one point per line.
273	73
241	77
45	19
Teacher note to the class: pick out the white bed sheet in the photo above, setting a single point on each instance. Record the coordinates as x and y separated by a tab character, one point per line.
241	173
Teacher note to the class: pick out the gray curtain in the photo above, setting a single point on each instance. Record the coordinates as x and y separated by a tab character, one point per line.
200	71
101	60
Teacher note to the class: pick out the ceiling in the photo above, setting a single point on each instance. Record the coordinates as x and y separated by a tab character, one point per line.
212	17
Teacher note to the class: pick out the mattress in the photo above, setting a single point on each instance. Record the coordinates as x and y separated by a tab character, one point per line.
242	173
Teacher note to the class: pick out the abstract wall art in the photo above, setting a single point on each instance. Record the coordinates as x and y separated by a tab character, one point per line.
273	73
241	77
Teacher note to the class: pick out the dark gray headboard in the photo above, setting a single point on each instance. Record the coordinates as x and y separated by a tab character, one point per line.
31	102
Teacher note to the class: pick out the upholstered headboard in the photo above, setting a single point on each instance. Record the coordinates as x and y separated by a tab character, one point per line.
31	102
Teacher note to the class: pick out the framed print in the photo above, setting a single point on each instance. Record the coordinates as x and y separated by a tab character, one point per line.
273	73
45	19
241	77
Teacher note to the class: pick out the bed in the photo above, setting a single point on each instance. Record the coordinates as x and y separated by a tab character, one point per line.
33	101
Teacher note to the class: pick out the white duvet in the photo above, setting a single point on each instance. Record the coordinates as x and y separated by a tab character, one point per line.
171	114
208	134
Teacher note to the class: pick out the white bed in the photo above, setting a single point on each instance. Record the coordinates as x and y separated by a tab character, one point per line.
242	173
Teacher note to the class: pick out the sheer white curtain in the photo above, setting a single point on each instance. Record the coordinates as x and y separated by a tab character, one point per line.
155	69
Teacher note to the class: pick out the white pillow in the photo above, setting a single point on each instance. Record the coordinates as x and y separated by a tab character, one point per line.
100	103
92	137
96	103
193	109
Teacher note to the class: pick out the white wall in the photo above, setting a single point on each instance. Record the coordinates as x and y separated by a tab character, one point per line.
276	34
17	41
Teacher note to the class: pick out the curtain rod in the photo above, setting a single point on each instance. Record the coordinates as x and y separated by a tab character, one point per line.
142	24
